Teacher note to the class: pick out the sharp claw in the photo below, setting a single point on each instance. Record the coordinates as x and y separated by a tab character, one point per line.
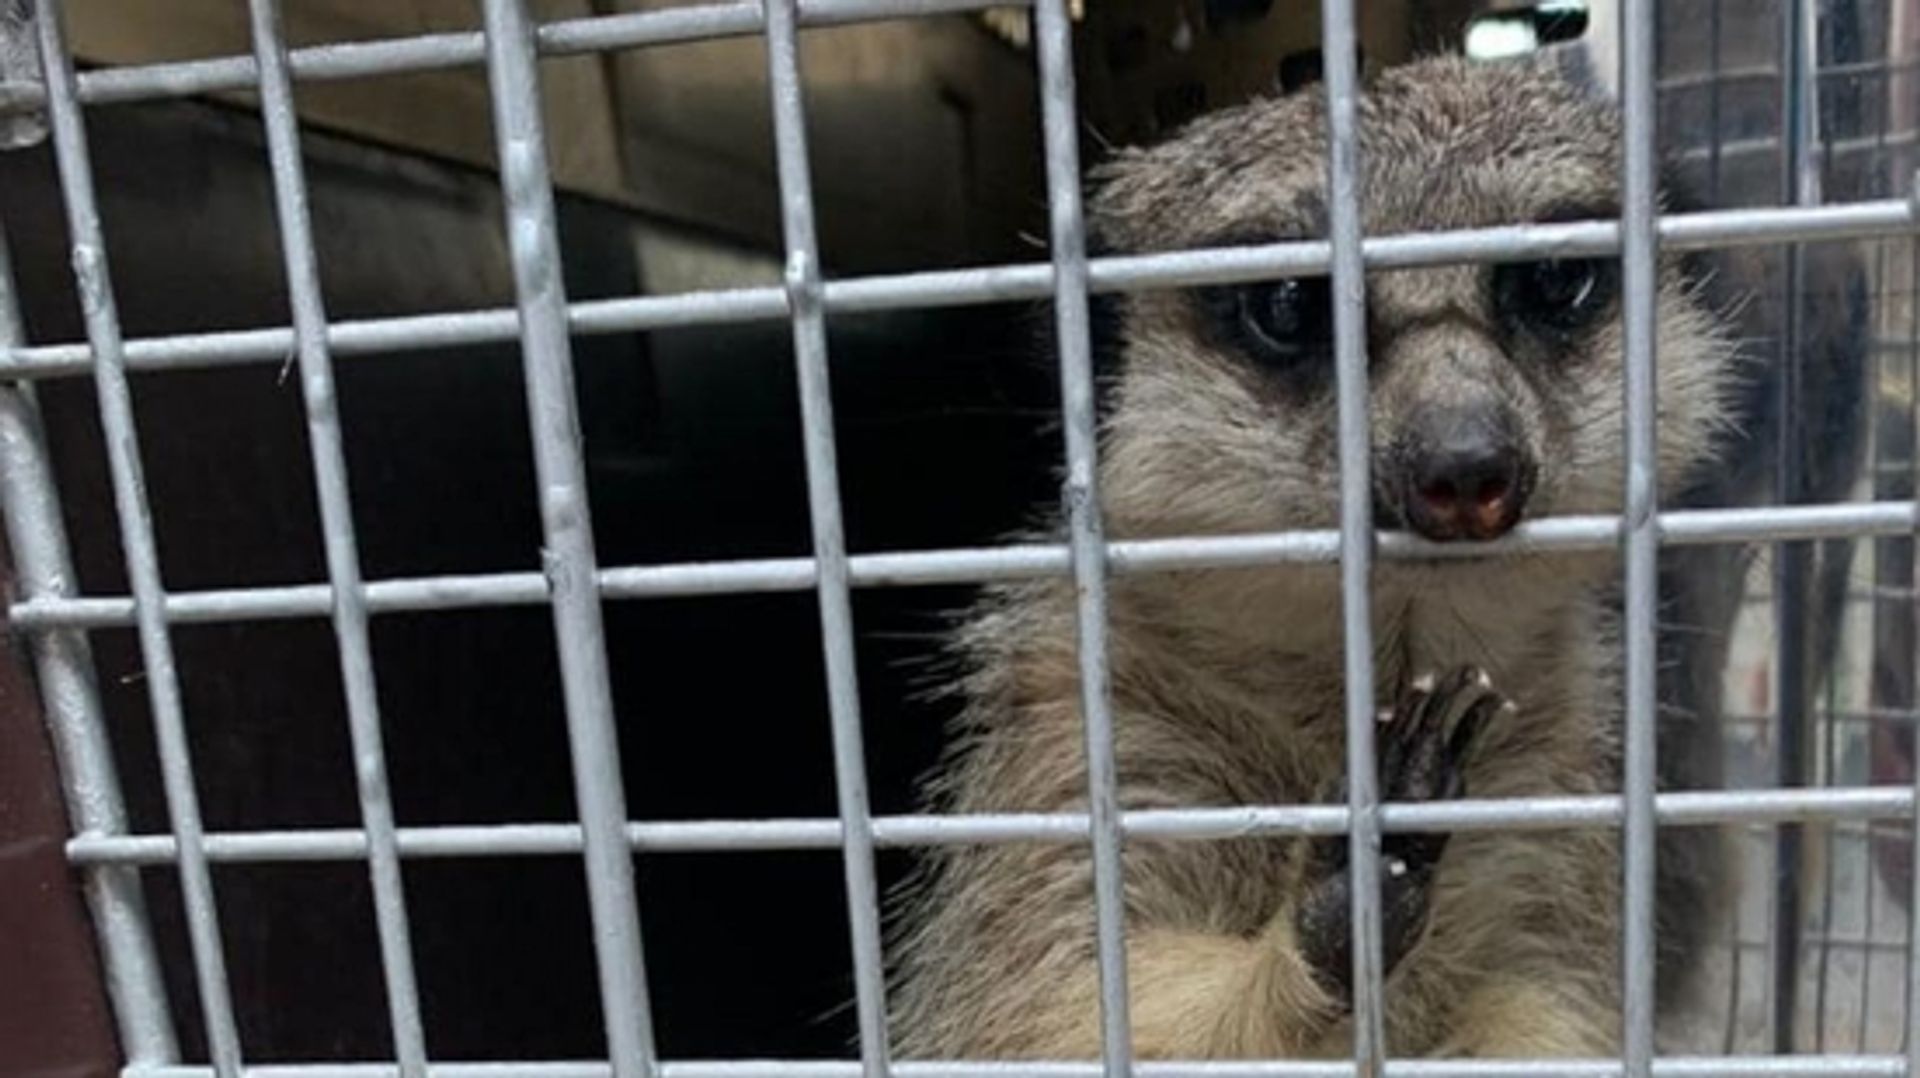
1471	722
1460	680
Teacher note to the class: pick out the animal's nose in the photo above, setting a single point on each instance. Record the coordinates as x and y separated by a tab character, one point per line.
1470	481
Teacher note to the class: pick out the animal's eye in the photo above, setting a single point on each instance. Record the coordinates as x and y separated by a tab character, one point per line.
1561	295
1284	321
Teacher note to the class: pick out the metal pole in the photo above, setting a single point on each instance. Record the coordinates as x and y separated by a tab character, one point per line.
1080	495
63	661
1338	41
1793	692
567	530
93	280
1639	258
342	545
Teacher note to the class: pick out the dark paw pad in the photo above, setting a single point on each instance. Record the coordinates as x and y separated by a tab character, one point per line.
1421	748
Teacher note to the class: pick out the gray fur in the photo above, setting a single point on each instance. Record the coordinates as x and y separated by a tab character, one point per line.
1227	685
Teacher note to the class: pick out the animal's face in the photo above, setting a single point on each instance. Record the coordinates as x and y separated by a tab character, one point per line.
1496	389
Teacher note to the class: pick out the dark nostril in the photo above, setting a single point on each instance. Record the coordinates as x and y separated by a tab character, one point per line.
1467	494
1440	492
1492	492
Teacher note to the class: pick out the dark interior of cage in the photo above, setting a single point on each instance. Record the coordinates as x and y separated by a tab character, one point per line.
947	437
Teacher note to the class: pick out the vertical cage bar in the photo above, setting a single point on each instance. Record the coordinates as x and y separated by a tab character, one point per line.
513	78
803	279
1714	95
337	528
1862	1026
93	281
1826	768
1903	36
1910	1030
1337	46
1791	561
1890	684
1640	284
1904	30
63	663
1080	495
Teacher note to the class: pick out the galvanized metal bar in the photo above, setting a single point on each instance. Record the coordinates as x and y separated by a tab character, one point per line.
432	52
1871	907
1766	72
803	280
567	531
1639	256
1735	956
349	602
1804	1066
1080	498
990	284
1863	947
93	281
1892	562
1545	536
993	284
70	699
1716	78
1680	809
1338	42
566	37
20	77
1910	1031
1792	561
1829	758
1831	152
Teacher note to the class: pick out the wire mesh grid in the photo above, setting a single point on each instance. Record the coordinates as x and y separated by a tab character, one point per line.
574	585
1815	953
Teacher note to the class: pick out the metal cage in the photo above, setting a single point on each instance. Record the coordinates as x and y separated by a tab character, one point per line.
56	620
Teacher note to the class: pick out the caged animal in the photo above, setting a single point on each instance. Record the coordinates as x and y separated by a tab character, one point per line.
1496	396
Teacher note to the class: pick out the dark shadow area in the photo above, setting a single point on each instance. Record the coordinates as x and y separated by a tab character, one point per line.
692	443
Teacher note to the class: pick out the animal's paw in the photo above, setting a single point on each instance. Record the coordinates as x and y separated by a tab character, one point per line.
1421	749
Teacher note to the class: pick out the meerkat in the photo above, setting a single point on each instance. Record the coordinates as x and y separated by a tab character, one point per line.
1496	397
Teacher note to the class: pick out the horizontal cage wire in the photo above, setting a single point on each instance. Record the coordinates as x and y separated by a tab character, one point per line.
1833	1066
997	284
1843	932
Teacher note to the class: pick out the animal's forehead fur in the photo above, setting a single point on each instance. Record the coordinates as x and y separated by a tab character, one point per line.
1445	143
